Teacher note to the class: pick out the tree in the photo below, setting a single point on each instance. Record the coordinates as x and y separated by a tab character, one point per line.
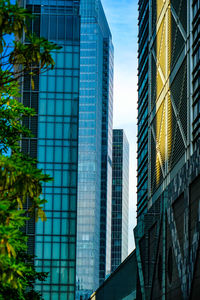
19	176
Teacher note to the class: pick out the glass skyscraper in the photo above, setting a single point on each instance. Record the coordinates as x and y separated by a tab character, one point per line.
120	198
55	145
95	149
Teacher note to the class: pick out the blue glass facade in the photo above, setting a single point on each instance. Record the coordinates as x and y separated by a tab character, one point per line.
120	198
95	123
56	100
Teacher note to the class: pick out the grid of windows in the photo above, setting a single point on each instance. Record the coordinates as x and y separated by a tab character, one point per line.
120	198
56	99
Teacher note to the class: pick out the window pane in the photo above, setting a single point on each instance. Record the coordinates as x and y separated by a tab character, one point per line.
61	28
69	31
53	27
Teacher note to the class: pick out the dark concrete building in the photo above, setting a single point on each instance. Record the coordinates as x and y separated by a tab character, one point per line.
167	232
120	198
121	284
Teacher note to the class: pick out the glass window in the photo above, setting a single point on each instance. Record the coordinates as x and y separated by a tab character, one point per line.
57	178
65	226
50	130
76	28
49	154
66	154
75	84
48	204
74	131
56	226
68	60
64	271
44	25
72	227
42	107
68	84
43	83
58	130
71	272
38	249
50	107
66	178
73	202
47	250
41	153
48	226
66	131
51	83
67	108
39	227
58	154
57	202
69	31
61	27
65	201
56	251
73	178
59	84
60	60
59	107
53	27
76	60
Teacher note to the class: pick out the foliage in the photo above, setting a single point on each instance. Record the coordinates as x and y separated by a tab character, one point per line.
19	177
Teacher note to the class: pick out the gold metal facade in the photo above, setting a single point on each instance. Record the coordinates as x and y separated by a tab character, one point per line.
168	87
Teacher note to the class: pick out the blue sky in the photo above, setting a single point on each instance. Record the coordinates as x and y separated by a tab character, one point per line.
122	17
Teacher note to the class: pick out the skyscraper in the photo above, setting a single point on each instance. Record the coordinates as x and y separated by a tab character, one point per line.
167	234
95	149
120	198
55	145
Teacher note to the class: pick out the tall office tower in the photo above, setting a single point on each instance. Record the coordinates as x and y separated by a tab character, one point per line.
95	148
167	232
120	198
55	126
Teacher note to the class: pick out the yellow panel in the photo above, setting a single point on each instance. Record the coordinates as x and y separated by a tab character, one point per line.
159	84
169	42
160	139
159	39
160	4
163	52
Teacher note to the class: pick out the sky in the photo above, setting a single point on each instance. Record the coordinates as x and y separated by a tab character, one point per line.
122	16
